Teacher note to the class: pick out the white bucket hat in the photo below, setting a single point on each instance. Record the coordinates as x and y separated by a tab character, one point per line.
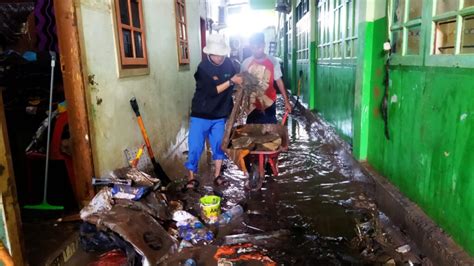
216	45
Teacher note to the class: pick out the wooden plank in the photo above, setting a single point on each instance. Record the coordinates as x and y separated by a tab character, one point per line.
74	89
239	94
8	193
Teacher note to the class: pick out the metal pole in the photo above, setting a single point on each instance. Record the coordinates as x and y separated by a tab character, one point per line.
53	64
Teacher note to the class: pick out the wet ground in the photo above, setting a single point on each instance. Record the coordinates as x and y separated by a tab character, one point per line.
321	198
320	207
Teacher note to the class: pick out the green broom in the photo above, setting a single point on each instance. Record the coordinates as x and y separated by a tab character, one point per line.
45	205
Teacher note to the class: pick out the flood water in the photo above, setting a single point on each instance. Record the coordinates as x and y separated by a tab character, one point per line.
320	196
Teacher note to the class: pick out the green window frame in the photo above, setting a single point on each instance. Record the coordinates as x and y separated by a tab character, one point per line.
351	30
407	31
462	13
435	37
302	38
337	31
323	31
338	36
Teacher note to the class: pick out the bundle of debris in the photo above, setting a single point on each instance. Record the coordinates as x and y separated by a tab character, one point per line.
129	214
255	138
241	139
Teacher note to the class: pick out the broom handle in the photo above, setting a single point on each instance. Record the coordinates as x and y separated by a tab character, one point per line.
53	63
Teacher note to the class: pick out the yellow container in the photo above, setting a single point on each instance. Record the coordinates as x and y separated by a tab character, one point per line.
210	208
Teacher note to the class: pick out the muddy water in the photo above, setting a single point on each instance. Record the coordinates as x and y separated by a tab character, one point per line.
319	196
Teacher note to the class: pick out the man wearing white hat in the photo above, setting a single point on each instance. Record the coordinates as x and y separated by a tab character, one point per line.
211	105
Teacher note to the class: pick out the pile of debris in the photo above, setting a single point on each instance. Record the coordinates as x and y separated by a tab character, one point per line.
255	138
131	221
129	214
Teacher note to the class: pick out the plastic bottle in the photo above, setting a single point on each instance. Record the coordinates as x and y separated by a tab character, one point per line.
198	225
227	216
190	262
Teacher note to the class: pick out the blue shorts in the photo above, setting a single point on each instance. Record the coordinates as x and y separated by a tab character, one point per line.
267	116
199	130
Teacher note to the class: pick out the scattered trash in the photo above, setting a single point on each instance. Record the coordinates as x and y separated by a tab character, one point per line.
253	227
113	257
128	192
225	255
257	239
173	232
110	181
102	202
190	262
195	233
190	229
254	212
142	231
70	218
184	244
154	203
390	262
175	205
183	217
94	240
210	208
403	249
364	229
232	213
138	177
39	135
134	215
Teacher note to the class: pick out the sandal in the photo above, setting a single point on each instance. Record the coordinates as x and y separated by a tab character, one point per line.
223	168
192	184
220	181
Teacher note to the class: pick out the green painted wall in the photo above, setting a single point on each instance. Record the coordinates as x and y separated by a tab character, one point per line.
304	66
430	155
431	118
334	98
289	69
312	77
333	87
303	28
313	52
370	76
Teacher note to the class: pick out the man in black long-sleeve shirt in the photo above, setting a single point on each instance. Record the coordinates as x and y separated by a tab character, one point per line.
211	105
